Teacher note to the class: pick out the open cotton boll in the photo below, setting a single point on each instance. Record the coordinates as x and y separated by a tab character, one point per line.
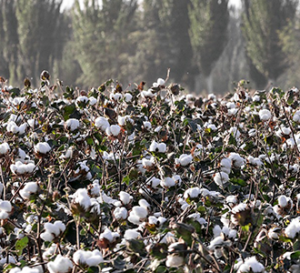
296	116
127	97
42	147
108	235
174	261
221	178
264	114
5	209
293	229
113	130
137	215
60	265
89	258
120	213
83	99
237	160
147	125
185	159
82	198
231	199
26	269
167	182
147	94
12	127
92	101
192	193
56	228
251	265
148	163
154	182
115	96
160	81
30	188
125	197
154	146
254	161
72	124
4	148
283	201
141	212
131	234
143	203
102	123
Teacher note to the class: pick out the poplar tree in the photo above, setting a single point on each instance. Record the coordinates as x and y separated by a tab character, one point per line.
101	38
262	23
208	34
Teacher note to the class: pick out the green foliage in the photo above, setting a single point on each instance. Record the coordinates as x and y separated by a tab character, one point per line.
263	21
208	32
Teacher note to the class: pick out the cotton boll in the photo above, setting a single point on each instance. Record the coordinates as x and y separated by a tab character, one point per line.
72	124
147	94
116	96
153	147
4	148
131	234
127	97
264	114
174	261
42	147
143	203
113	130
12	127
82	198
30	188
296	117
167	182
92	101
192	193
160	81
162	147
293	229
221	178
283	201
60	265
102	123
5	206
47	237
147	125
141	212
237	160
251	265
154	182
185	159
125	197
120	213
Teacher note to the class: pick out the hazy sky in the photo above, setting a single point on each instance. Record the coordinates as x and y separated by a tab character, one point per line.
68	3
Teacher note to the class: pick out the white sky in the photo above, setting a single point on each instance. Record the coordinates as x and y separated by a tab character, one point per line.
69	3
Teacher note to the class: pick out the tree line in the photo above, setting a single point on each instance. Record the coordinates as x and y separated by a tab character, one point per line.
206	44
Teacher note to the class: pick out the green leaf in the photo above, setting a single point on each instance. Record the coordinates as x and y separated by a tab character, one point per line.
126	180
295	255
296	245
21	244
68	110
89	140
238	181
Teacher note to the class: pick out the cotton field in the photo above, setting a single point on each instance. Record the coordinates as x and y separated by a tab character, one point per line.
127	179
